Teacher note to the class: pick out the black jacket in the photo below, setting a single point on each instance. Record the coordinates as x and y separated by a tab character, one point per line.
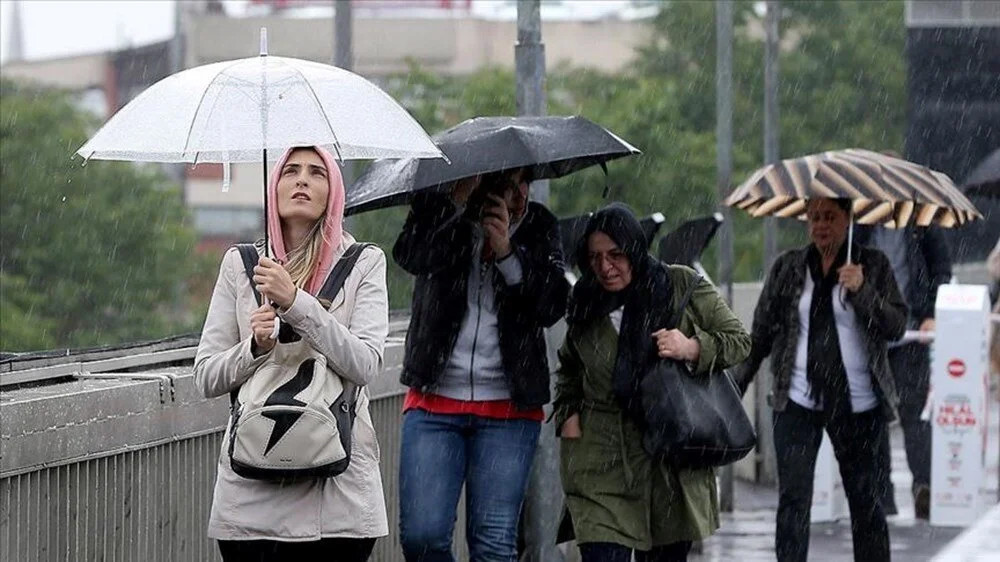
438	249
880	310
929	260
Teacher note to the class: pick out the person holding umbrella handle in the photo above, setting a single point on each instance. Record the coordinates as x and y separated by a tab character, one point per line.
476	365
305	518
831	373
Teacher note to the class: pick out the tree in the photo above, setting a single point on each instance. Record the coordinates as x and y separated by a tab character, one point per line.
91	255
843	85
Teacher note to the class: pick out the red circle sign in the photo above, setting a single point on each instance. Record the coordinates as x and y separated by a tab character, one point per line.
956	368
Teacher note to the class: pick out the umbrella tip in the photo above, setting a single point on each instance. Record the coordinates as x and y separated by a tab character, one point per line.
263	41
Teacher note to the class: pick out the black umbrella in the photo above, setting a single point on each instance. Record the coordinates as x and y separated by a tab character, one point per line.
984	180
551	146
685	244
571	231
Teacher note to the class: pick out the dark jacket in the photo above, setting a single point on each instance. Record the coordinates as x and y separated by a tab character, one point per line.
929	260
438	249
878	305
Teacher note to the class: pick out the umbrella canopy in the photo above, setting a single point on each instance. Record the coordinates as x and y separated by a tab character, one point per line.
886	191
984	180
551	146
234	110
685	244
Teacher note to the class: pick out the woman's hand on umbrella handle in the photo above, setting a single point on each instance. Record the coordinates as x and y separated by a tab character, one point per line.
274	283
673	344
851	276
571	428
262	326
928	325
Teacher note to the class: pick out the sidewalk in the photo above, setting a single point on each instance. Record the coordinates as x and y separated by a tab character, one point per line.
748	533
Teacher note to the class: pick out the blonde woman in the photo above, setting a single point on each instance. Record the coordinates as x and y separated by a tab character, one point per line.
335	518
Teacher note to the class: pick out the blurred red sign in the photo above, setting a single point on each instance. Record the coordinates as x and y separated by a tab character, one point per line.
956	368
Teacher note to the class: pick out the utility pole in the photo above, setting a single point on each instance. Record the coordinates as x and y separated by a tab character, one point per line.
343	57
529	62
724	172
767	465
543	503
343	34
178	172
15	39
771	120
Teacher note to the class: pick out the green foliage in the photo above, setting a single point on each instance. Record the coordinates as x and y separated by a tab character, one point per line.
91	255
842	85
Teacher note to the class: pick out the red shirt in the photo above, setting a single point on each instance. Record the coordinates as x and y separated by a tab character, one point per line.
493	409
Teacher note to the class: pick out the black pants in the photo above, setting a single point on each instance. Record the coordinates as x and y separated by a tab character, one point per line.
326	550
611	552
911	368
797	435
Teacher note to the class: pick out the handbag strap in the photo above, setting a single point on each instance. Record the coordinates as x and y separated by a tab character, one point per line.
675	318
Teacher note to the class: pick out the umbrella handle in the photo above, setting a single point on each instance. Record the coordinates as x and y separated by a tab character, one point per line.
850	235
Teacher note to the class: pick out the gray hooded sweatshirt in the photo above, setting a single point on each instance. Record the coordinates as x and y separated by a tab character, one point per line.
475	369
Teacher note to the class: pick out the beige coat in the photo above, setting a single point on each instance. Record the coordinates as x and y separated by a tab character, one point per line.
351	334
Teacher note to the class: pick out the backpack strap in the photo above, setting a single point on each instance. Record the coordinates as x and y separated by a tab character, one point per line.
334	283
675	318
338	275
250	258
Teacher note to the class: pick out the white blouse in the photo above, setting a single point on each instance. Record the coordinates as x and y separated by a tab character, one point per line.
852	350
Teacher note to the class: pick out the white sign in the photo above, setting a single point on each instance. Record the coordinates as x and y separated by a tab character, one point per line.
829	501
959	379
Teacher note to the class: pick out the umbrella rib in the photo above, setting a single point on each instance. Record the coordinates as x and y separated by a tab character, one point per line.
197	108
336	143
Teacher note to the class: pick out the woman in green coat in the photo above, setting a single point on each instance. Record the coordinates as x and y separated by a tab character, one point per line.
619	497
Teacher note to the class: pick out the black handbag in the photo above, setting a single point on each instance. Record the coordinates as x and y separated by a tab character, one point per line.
693	421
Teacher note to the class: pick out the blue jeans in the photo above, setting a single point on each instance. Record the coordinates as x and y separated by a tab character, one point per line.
440	452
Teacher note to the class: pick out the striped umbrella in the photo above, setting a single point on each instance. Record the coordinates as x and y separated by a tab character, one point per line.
886	191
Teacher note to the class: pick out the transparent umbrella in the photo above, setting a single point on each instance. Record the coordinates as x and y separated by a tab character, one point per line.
235	111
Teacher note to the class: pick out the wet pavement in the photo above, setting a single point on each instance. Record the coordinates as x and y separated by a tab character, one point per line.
748	533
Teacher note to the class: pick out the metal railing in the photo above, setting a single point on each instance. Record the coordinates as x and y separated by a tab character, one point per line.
110	454
99	465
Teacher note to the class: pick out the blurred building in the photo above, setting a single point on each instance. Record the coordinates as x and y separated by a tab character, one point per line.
953	105
451	37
